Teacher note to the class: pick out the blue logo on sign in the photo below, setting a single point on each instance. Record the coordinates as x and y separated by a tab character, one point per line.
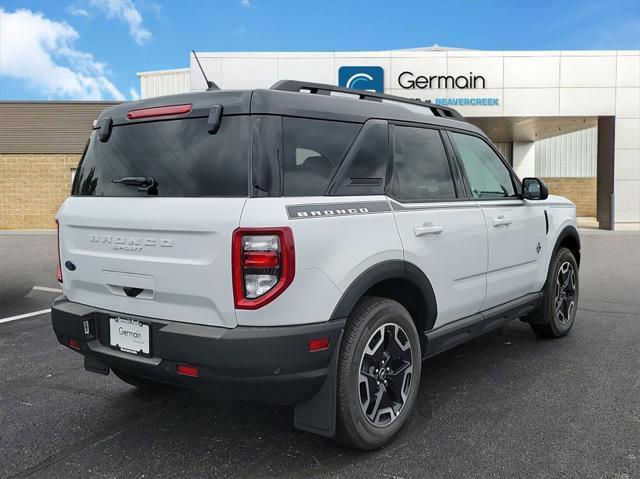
362	78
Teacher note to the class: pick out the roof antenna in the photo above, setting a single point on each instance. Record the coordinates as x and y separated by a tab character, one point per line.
210	84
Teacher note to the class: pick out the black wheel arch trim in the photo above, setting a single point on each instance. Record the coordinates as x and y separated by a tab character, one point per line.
567	231
386	270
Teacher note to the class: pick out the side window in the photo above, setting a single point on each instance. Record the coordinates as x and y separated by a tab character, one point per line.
488	176
365	167
421	170
313	151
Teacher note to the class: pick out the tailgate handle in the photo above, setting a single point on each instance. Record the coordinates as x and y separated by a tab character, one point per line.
131	285
132	292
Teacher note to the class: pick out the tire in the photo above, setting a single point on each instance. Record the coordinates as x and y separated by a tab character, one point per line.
369	342
139	382
554	318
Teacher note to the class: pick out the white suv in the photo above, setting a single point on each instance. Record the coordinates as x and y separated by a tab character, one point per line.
306	245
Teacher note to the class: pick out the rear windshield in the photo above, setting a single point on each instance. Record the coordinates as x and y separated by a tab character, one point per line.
180	155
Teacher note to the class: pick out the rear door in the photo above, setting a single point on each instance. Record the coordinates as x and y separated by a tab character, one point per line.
162	251
516	227
442	234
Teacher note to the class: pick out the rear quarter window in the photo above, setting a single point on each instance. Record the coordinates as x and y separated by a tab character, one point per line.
180	155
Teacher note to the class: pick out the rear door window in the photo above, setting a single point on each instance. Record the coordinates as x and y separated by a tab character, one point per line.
421	170
180	155
313	151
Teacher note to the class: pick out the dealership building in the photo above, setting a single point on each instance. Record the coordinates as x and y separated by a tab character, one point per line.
570	117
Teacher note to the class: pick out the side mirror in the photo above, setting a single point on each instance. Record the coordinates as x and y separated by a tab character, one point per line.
534	189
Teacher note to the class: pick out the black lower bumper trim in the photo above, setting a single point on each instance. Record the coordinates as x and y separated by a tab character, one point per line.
271	363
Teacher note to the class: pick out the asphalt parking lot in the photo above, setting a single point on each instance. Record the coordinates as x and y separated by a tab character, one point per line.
506	405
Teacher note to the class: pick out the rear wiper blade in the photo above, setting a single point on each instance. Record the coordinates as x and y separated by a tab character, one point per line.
148	183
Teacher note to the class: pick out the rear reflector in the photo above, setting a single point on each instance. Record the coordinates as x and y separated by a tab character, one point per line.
159	111
318	344
268	259
186	370
74	344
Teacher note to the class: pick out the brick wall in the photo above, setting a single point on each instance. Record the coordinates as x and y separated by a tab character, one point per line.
582	191
32	187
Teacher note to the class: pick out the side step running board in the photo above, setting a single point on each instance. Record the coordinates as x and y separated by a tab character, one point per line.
458	332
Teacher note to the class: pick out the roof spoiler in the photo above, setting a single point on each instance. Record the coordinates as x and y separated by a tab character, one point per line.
325	89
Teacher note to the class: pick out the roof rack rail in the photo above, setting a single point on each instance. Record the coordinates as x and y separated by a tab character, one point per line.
325	89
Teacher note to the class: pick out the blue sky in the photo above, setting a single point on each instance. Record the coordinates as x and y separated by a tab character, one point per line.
92	49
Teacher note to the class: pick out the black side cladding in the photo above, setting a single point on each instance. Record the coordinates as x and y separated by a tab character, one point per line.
392	269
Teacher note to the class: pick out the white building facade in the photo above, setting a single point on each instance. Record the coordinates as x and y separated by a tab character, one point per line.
556	114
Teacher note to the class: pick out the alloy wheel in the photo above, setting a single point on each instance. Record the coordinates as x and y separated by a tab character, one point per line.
565	297
385	375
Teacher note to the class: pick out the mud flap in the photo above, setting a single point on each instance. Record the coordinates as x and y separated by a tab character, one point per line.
318	414
95	366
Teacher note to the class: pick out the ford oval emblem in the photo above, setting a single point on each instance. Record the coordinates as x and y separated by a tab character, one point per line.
69	265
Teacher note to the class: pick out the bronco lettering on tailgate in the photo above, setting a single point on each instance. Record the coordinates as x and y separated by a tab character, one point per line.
130	243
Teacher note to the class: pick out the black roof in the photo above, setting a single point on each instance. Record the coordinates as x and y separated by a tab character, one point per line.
304	99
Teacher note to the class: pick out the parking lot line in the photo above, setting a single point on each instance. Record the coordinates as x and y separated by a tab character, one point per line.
49	290
26	315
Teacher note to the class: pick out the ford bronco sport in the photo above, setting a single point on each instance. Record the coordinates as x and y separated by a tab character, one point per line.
307	245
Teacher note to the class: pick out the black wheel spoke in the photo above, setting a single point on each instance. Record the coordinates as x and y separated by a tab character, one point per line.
398	367
375	407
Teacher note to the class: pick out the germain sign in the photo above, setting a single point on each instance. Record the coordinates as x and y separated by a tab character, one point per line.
408	80
367	78
371	78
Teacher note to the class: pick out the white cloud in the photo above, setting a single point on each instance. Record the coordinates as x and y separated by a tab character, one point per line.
133	93
125	11
246	3
41	52
77	11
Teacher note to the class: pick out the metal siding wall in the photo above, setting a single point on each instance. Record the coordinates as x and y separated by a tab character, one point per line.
571	155
165	83
47	127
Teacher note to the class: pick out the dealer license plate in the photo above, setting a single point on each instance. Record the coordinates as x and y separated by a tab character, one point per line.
129	335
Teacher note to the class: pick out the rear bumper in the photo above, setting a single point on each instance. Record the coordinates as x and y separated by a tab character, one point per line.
272	364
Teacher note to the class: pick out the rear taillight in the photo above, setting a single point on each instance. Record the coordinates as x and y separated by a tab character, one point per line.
263	262
59	271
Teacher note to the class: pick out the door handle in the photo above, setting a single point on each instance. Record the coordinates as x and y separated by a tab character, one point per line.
428	229
501	220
